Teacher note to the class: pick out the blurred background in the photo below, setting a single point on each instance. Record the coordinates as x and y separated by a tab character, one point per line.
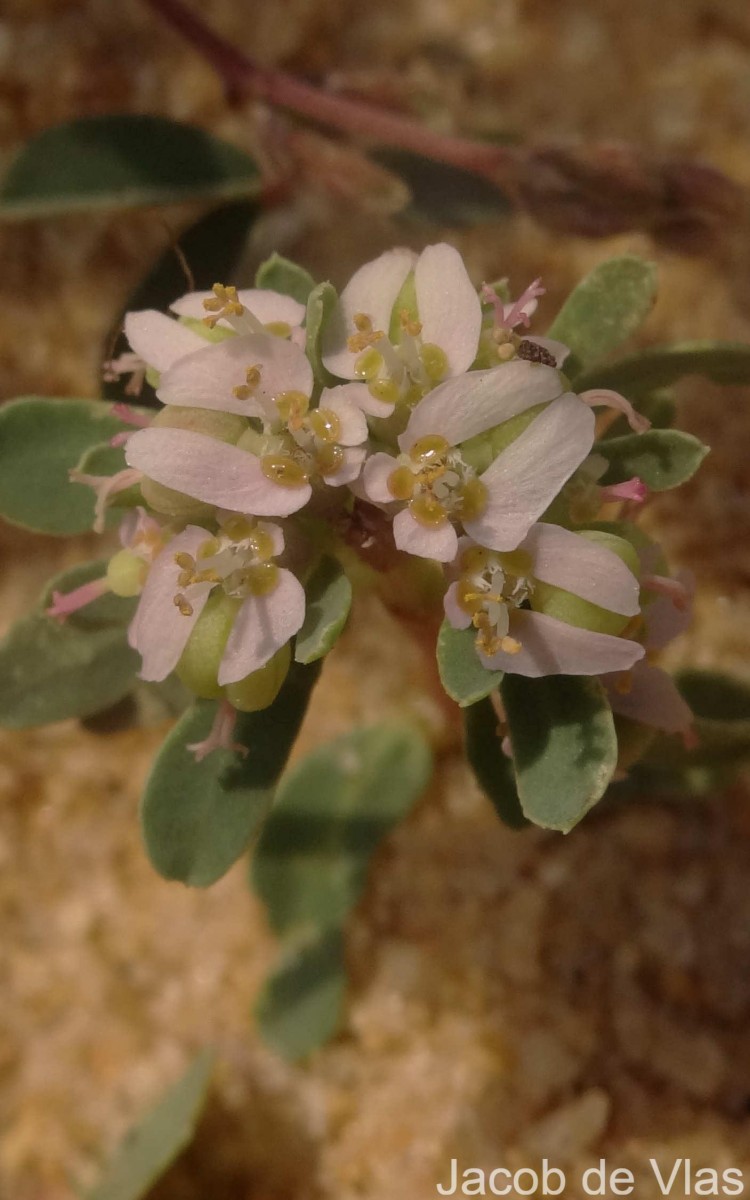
511	995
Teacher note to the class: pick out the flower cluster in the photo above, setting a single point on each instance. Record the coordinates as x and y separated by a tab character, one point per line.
421	398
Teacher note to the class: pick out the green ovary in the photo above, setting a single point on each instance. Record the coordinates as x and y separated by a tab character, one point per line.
259	689
574	610
483	449
198	667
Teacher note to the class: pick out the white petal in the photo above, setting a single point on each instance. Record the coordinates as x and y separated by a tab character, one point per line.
378	469
351	418
361	397
276	535
550	647
448	305
206	378
262	626
159	631
439	544
350	469
525	478
371	290
652	699
266	305
585	568
212	471
664	620
457	616
461	408
159	340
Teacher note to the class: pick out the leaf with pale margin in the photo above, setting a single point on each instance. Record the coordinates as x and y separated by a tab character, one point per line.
282	275
41	440
50	671
330	813
155	1142
662	458
461	673
492	768
564	745
122	160
605	309
198	818
301	1004
320	305
328	600
660	366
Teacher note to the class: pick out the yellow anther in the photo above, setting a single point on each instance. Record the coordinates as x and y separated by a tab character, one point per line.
510	645
185	578
409	324
429	449
209	576
186	561
473	499
427	511
223	303
262	579
292	408
362	322
384	389
185	608
329	458
279	329
282	469
325	424
435	361
244	391
368	365
401	483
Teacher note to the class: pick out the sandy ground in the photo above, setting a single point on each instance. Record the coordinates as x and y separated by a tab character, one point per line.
512	996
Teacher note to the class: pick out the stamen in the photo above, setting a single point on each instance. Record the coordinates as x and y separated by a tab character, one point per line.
184	606
409	324
244	391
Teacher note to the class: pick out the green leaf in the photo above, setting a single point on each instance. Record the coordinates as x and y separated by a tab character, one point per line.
155	1142
715	696
40	441
281	275
660	366
320	305
51	671
442	194
212	248
301	1003
564	746
662	458
492	768
198	818
147	705
122	161
329	598
607	307
330	813
461	673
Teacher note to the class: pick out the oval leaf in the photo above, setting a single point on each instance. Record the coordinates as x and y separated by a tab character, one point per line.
155	1142
40	441
330	813
444	194
198	818
662	458
281	275
461	673
724	362
607	307
122	161
564	746
329	598
492	768
301	1003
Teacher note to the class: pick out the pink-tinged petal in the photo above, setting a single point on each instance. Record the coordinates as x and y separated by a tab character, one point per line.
475	402
585	568
267	306
649	695
669	615
350	468
352	420
550	647
378	469
206	378
520	311
276	534
525	478
603	397
371	290
631	491
262	626
220	735
558	350
159	340
212	471
159	631
457	616
439	544
448	306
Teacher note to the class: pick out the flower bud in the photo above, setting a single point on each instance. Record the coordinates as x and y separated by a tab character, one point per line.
259	689
198	667
126	573
574	610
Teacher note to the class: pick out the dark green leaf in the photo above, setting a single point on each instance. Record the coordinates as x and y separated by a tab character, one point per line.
122	161
461	673
156	1141
444	194
715	696
51	671
329	598
493	769
564	746
40	441
300	1006
198	818
330	813
320	305
607	307
148	704
724	362
662	458
281	275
